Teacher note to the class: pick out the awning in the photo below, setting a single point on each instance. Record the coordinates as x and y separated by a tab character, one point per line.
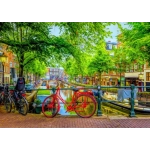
131	75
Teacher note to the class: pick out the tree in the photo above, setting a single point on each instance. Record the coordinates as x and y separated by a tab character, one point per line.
101	62
37	68
136	40
34	38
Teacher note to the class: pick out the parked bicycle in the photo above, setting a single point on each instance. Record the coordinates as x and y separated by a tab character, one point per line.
82	102
19	102
15	99
6	98
1	95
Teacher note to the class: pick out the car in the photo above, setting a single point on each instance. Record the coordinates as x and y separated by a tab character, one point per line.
43	86
29	87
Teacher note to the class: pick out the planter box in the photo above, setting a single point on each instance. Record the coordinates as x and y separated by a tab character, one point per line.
38	109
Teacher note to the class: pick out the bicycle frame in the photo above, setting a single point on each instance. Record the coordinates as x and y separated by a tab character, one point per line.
71	106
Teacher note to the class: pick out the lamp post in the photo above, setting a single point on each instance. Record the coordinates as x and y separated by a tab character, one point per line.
96	79
3	59
120	69
140	76
141	79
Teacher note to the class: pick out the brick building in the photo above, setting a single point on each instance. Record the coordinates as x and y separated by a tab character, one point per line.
9	65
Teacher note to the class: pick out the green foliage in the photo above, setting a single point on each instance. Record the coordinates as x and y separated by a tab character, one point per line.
43	92
36	67
101	62
137	40
37	101
34	41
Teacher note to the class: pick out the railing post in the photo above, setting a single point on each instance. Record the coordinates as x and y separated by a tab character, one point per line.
132	113
99	112
53	90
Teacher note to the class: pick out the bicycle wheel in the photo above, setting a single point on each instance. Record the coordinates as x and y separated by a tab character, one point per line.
1	99
7	104
85	106
50	107
13	105
23	106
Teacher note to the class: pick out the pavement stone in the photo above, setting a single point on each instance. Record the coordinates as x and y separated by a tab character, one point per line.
16	120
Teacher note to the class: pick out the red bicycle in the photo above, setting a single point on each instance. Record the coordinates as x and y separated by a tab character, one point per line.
82	102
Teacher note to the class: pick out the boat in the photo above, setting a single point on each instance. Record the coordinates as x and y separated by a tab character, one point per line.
111	100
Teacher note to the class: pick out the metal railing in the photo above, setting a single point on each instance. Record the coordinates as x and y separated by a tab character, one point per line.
131	107
143	100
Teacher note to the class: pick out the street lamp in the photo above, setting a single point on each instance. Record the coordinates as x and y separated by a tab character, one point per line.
3	59
140	76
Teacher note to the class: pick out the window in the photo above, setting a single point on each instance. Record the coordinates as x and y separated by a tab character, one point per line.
147	76
147	65
135	67
10	64
131	68
112	83
109	46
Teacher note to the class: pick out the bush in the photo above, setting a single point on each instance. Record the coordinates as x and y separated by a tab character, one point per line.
37	101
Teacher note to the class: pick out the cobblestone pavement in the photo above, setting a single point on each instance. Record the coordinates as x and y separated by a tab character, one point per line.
16	120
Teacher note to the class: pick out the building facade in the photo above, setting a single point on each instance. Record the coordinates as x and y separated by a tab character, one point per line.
54	73
9	66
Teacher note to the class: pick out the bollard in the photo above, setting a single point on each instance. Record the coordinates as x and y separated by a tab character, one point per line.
99	112
53	90
132	113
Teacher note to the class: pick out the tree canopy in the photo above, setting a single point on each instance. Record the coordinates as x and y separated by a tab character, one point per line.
32	41
136	39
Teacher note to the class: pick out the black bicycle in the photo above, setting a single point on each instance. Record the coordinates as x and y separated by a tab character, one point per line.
6	98
19	102
14	100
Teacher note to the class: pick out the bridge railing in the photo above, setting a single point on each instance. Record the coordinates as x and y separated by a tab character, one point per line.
142	97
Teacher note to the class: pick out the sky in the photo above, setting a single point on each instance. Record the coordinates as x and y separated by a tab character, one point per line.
115	31
113	28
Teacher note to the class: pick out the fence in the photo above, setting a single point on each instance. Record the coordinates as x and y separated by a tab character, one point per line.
138	102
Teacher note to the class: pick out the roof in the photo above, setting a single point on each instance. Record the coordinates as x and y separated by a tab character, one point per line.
109	42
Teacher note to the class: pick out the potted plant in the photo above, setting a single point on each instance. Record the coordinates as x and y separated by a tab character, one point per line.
37	104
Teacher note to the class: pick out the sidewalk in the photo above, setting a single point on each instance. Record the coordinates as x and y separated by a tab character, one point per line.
16	120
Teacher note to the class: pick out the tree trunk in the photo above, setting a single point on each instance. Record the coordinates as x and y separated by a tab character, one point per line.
21	71
100	78
21	66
